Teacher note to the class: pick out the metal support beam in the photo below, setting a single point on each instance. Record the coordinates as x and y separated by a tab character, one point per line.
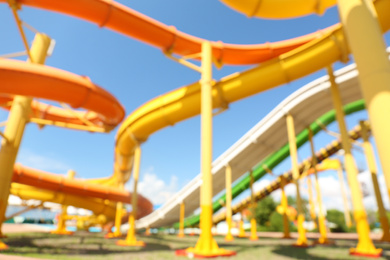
366	42
17	120
228	182
253	235
206	245
302	240
284	202
365	245
369	152
131	239
321	218
182	212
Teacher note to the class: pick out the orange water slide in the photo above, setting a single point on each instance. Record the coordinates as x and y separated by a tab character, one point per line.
123	19
49	112
27	79
86	193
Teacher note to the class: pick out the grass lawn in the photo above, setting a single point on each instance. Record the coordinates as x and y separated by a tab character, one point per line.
84	246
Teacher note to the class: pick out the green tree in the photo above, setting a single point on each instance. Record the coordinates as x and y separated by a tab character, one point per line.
337	218
264	209
276	222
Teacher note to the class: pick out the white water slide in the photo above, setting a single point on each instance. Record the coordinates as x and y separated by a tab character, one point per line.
270	134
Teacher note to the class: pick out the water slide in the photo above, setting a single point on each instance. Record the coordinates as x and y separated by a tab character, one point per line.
266	143
152	116
28	182
279	9
323	154
103	110
183	103
109	113
27	79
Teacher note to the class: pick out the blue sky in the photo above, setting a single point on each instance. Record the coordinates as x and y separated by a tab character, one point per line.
135	73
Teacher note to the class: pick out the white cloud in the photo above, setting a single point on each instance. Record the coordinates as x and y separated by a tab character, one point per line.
260	184
41	162
155	189
14	200
78	211
331	194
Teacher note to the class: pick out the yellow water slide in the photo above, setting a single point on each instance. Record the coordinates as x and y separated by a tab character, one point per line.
279	9
184	102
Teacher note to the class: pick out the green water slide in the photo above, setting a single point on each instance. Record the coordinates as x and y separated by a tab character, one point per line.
275	158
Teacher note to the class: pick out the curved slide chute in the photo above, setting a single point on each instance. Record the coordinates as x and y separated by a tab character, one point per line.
308	105
279	9
277	157
123	19
323	154
59	189
61	116
58	85
184	102
118	18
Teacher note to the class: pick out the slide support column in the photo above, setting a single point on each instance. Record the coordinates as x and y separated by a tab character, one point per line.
118	218
347	214
182	212
365	245
206	245
241	230
302	240
131	240
284	202
18	117
61	226
369	152
321	218
228	182
253	236
311	202
364	35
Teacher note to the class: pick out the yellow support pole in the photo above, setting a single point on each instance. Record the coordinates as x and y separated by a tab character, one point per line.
241	230
369	152
365	245
311	202
147	231
61	226
302	240
253	235
131	240
366	42
17	119
206	245
347	214
321	218
284	202
182	212
118	218
228	182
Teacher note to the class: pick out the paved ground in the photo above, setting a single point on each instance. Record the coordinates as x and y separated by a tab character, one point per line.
13	228
10	257
353	236
16	228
